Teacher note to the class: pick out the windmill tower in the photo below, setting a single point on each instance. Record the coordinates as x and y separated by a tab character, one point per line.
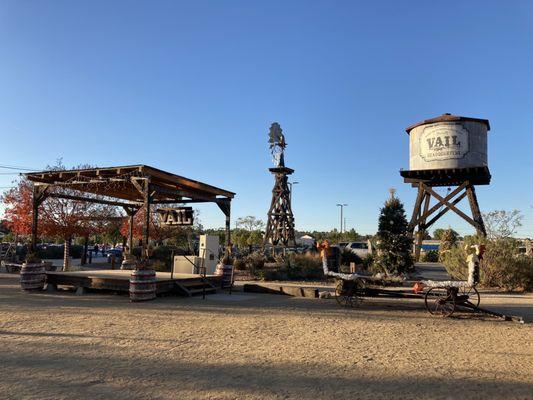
280	221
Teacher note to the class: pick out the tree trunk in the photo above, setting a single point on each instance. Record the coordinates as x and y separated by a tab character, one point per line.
83	260
66	254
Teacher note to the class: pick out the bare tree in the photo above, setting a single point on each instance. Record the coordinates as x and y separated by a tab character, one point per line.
502	224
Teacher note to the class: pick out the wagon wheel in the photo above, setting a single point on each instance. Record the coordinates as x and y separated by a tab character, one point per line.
440	301
348	297
472	293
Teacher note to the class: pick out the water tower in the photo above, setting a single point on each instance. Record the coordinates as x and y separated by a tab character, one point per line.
446	151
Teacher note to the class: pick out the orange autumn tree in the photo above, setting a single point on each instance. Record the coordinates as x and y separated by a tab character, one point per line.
158	232
57	217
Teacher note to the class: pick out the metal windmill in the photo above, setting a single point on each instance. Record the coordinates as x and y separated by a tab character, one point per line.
280	222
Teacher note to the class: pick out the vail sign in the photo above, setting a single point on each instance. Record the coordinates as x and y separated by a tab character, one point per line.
444	141
182	216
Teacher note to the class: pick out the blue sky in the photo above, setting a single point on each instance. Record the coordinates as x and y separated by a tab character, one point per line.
192	88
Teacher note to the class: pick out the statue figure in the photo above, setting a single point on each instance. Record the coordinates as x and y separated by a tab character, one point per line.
474	261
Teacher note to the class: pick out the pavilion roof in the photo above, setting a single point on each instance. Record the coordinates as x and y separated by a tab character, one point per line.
125	182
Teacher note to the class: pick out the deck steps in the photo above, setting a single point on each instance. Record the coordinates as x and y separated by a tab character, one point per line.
194	287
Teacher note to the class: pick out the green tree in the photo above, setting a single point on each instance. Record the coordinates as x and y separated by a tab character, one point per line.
250	223
448	240
437	233
351	236
393	242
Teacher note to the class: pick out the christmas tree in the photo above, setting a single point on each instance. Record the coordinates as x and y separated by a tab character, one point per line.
394	244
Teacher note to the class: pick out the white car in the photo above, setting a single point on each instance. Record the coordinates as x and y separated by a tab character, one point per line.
362	249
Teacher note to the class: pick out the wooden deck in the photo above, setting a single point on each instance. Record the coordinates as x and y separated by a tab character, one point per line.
118	281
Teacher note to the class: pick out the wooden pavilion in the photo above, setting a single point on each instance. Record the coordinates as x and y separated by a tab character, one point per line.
130	187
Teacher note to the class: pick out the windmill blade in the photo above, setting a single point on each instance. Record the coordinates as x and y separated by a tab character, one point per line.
275	134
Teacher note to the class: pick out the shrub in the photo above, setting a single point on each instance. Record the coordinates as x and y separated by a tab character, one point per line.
255	261
348	257
367	261
501	267
56	252
430	256
447	241
293	267
505	268
239	264
160	266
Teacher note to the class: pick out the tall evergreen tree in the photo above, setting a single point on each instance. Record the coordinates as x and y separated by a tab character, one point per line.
394	244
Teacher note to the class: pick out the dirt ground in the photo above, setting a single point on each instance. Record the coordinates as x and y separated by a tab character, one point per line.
249	346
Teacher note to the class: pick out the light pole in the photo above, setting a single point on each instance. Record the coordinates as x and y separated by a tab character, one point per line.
342	209
290	186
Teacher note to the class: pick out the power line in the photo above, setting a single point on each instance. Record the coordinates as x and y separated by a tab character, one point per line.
18	168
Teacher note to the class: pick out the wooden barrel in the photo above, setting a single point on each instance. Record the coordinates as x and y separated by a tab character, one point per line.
32	276
142	285
226	272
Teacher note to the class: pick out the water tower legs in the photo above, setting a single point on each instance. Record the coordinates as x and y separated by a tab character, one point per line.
422	210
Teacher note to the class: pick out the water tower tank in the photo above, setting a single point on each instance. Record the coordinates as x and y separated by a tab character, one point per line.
448	142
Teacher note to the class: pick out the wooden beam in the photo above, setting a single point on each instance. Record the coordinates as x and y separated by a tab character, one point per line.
476	213
146	221
452	207
91	200
416	209
448	197
183	193
39	195
445	210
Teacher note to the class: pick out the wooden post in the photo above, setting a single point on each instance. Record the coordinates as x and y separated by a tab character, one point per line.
476	213
228	228
225	207
83	260
130	234
39	195
422	225
146	222
417	208
35	220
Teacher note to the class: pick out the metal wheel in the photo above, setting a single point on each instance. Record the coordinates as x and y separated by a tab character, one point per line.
348	297
440	301
472	293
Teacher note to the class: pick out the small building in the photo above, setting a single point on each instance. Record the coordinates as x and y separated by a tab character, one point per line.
306	240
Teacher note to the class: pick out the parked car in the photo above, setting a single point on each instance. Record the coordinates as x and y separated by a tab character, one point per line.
342	245
362	249
113	252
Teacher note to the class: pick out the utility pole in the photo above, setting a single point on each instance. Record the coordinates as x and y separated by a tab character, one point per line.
342	205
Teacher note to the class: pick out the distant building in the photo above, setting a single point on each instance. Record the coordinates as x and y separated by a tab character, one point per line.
305	240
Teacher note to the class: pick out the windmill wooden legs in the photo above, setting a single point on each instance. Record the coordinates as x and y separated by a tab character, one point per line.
422	210
280	223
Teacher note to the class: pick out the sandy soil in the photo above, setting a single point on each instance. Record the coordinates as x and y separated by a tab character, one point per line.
244	346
